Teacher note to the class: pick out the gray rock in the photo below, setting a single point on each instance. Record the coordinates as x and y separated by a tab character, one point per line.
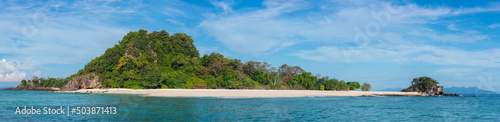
88	81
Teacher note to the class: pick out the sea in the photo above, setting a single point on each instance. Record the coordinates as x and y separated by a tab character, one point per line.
114	107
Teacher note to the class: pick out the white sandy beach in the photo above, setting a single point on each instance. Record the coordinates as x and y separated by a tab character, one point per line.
241	93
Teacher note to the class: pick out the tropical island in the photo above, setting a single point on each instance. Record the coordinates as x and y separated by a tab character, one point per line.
426	86
160	61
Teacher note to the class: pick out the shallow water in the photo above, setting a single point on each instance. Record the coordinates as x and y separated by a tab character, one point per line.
134	108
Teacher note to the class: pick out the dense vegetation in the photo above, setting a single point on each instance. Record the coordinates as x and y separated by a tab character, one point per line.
424	83
46	82
160	60
421	84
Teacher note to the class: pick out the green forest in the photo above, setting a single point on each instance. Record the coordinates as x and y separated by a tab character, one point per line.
143	60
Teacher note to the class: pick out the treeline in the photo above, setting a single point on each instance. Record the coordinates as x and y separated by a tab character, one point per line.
160	60
46	82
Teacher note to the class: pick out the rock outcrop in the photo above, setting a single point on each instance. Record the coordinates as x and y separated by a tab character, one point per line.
88	81
434	90
427	87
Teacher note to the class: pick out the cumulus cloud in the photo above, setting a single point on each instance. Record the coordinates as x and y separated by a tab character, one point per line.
9	72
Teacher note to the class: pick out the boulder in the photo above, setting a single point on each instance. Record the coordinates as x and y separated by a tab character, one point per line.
88	81
28	86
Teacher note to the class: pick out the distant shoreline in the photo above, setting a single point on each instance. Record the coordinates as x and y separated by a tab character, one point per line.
240	93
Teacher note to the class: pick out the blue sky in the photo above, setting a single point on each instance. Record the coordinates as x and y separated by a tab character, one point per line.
385	43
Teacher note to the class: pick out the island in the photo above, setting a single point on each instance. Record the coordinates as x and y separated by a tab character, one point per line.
427	87
160	64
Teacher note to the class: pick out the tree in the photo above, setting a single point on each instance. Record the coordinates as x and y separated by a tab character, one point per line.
366	87
353	85
195	83
414	81
35	82
23	82
342	85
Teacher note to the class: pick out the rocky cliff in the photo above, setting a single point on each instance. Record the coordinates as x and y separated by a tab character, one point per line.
88	81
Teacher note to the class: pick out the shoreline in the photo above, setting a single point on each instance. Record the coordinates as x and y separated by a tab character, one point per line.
240	93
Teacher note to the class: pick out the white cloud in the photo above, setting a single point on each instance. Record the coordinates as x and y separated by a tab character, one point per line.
62	41
226	5
9	72
206	50
350	55
469	36
175	22
253	32
456	71
172	12
404	53
104	7
452	27
493	26
57	33
492	8
272	28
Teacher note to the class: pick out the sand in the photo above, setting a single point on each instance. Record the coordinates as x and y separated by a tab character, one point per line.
241	93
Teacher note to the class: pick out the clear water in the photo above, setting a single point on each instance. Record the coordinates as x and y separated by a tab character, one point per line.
138	108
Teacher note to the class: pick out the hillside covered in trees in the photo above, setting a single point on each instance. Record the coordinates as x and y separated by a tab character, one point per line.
143	60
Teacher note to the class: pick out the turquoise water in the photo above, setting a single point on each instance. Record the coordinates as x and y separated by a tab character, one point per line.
135	108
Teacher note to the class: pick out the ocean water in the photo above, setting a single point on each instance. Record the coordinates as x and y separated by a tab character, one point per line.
138	108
